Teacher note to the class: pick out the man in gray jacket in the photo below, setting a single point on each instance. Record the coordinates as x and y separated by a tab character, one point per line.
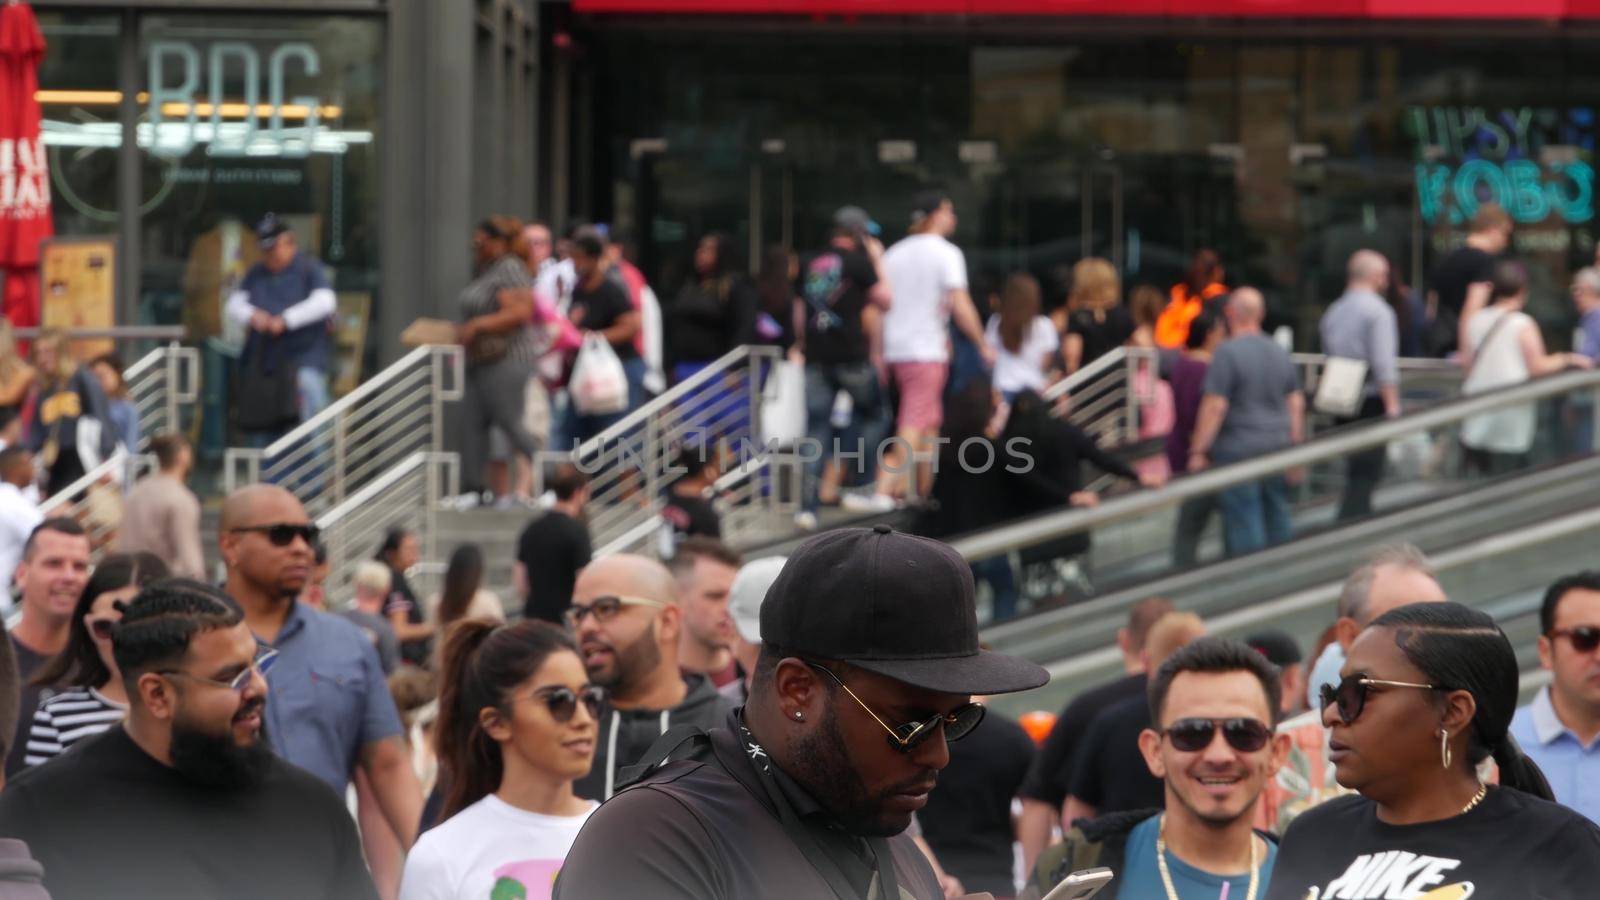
626	617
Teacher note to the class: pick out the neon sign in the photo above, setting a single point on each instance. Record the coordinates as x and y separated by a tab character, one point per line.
1524	159
245	138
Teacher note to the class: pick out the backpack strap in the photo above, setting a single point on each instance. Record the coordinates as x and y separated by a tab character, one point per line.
661	752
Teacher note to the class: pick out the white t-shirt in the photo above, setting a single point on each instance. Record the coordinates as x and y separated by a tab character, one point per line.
921	270
18	517
1021	371
1499	363
464	857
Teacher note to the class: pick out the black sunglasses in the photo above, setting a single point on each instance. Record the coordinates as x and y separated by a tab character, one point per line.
102	628
563	702
958	723
1351	694
1584	638
1195	735
282	535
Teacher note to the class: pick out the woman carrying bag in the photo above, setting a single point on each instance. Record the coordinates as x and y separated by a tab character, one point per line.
496	311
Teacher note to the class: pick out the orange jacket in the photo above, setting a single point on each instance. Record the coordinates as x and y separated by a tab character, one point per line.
1172	328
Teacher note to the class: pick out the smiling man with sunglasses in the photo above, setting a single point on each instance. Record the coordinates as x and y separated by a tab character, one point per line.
1213	705
183	800
1560	729
868	664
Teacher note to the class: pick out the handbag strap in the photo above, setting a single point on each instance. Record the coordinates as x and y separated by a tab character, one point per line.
1477	352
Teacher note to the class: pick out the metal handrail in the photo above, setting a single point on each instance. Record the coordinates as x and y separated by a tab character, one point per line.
117	333
679	391
354	525
1006	538
159	384
361	436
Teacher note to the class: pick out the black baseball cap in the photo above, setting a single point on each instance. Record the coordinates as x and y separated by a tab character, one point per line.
926	203
895	604
1279	647
269	229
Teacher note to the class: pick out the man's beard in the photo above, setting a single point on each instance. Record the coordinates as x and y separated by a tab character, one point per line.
634	663
217	761
821	764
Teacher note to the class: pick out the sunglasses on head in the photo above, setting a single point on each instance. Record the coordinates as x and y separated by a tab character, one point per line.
1584	638
282	535
1195	735
1350	695
958	723
102	628
563	702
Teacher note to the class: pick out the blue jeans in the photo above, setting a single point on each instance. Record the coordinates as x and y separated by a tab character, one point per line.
823	382
1255	515
574	429
1003	581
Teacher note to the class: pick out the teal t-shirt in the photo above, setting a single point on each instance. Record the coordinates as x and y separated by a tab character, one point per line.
1140	877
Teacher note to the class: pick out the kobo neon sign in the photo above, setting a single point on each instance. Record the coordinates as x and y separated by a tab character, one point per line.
1524	159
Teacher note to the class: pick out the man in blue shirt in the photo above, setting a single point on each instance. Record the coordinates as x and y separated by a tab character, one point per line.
1560	729
331	713
286	302
1213	705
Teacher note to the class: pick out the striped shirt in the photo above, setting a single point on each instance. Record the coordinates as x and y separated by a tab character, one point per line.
482	298
69	717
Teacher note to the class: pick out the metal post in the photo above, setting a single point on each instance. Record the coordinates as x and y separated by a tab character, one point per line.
435	403
129	189
1131	372
338	459
172	364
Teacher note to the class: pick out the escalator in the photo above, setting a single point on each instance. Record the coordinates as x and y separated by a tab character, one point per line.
1496	540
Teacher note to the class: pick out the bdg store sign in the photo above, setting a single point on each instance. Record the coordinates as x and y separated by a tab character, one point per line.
1186	9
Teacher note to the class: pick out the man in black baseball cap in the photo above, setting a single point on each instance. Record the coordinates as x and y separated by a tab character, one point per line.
868	663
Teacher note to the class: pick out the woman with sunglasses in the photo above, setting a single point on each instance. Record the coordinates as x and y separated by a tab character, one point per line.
1427	693
97	699
517	724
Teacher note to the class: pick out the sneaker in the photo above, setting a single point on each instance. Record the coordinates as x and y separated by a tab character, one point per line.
867	503
462	502
805	521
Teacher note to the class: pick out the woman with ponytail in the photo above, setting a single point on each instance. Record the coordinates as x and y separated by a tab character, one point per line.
516	728
1427	693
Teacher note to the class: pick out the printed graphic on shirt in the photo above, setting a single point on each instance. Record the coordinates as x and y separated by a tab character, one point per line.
824	285
1395	875
528	879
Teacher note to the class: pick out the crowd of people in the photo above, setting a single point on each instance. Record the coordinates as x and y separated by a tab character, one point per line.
816	725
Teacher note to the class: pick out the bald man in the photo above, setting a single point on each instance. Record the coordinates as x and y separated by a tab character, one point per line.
626	617
1251	406
1362	326
329	710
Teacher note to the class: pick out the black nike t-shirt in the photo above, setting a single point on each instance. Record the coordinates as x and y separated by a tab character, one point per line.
1511	847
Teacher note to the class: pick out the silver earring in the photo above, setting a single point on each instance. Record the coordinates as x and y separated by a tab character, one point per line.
1444	748
799	715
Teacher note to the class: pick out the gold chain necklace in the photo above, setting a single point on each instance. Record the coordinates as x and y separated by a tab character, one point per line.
1166	876
1483	791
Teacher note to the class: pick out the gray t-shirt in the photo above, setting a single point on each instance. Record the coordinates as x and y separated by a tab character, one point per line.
1254	375
381	633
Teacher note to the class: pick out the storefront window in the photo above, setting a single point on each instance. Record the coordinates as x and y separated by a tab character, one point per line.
241	116
78	97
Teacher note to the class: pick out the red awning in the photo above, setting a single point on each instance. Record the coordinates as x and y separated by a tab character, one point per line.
24	178
1174	9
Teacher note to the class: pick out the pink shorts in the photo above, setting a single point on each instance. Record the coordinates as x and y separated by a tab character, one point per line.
921	387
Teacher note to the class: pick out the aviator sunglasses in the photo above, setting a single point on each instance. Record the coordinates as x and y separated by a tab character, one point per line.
958	723
1352	691
1195	735
563	702
1584	638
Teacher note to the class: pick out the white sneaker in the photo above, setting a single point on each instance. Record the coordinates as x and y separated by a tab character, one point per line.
867	503
462	502
805	521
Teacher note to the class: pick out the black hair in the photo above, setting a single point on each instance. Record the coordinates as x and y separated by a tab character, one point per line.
1201	327
727	253
60	525
392	539
159	624
1510	279
319	553
589	242
693	457
1458	648
767	663
462	578
167	447
79	663
481	663
12	455
1215	655
567	480
1580	581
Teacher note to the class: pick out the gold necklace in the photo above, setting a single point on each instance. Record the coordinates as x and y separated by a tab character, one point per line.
1483	791
1166	876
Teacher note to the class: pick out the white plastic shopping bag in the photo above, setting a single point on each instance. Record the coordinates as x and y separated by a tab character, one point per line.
783	405
599	386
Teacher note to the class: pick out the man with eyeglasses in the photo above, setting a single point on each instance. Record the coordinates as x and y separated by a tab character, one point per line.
184	800
1212	708
626	615
1560	729
868	664
331	712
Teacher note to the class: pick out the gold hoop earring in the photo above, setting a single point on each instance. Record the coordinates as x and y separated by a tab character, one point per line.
1444	748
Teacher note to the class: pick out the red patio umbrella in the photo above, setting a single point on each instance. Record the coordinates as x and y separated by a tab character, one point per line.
24	178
